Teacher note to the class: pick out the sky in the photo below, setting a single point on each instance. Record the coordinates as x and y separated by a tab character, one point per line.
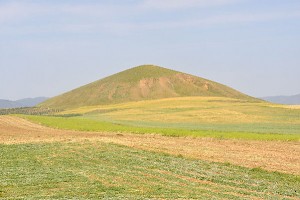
50	47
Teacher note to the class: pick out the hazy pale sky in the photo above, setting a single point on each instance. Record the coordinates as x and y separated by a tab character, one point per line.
49	47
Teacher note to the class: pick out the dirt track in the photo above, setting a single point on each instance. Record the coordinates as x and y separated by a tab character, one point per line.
274	156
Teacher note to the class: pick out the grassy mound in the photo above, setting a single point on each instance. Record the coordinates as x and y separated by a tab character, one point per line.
142	83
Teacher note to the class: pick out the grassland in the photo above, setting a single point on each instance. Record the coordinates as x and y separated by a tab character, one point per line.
216	117
93	170
196	110
86	124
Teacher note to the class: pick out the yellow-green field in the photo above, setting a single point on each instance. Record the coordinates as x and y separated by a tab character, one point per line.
199	113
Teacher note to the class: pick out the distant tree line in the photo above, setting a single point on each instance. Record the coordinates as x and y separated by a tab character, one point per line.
29	111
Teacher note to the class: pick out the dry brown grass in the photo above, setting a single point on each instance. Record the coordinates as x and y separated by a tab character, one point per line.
270	155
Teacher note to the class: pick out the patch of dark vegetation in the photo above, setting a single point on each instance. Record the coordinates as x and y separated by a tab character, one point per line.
234	100
102	111
66	115
29	111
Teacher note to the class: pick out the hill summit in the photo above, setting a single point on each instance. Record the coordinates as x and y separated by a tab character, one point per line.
142	83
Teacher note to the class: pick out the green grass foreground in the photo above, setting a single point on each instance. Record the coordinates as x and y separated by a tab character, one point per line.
87	124
95	170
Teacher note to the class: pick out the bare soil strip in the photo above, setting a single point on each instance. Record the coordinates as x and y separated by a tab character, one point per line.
270	155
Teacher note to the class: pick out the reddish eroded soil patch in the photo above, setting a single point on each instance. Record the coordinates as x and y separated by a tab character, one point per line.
270	155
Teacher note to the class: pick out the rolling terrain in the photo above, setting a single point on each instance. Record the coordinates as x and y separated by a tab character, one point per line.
155	97
198	113
151	133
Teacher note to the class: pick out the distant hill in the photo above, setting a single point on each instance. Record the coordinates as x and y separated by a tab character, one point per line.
291	100
142	83
28	102
8	104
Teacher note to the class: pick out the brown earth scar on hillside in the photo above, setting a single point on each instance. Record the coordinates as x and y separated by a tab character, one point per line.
145	86
269	155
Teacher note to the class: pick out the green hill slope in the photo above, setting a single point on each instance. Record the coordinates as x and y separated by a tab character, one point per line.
142	83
